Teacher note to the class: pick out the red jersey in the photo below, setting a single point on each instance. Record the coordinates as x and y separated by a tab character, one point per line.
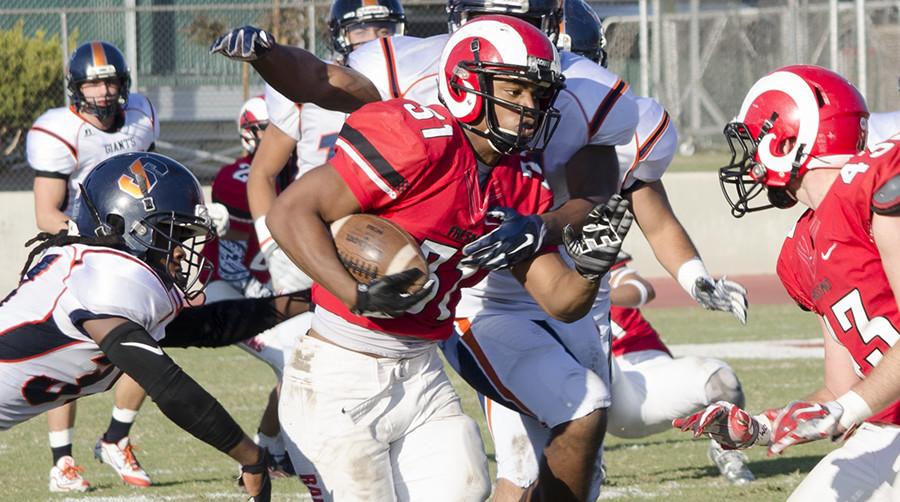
830	265
414	166
235	261
632	333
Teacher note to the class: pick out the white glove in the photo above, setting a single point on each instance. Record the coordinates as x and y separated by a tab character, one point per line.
256	289
218	215
722	294
286	277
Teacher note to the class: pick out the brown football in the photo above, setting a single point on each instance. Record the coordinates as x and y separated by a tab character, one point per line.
371	247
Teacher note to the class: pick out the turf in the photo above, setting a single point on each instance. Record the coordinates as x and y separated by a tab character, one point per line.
668	465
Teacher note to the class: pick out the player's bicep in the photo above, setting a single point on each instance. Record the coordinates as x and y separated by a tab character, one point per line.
839	373
323	191
49	193
274	151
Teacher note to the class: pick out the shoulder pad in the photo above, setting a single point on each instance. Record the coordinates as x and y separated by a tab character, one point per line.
886	199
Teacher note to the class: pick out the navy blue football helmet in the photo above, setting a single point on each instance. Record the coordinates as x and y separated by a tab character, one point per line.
544	14
582	32
93	61
156	205
346	15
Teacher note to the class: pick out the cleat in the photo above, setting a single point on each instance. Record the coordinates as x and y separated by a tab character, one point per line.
731	463
120	456
65	476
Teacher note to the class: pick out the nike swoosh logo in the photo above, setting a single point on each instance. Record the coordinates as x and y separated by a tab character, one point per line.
528	240
827	254
156	350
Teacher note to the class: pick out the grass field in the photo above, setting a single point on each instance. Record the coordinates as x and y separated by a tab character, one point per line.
666	466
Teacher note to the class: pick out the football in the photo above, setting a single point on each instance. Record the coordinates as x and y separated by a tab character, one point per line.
371	247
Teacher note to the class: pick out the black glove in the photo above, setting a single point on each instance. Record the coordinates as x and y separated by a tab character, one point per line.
387	296
516	239
261	467
247	43
595	250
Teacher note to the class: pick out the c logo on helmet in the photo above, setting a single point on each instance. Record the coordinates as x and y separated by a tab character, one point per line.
800	92
142	179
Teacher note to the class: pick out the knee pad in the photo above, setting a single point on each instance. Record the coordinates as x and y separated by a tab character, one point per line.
723	385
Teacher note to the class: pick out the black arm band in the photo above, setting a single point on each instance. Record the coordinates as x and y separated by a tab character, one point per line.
886	200
178	396
51	174
222	323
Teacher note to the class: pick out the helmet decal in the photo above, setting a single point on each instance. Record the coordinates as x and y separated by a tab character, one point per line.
141	180
807	115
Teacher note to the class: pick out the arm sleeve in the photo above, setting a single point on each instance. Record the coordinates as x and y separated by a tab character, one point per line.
380	151
224	323
179	397
283	113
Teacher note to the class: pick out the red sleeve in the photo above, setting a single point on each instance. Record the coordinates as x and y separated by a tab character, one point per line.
885	160
790	267
382	150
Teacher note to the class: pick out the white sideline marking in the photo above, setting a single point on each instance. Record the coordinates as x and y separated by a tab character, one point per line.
806	348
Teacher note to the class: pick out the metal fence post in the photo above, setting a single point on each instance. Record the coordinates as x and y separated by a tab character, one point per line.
833	34
656	49
694	64
131	41
64	43
311	29
643	44
861	45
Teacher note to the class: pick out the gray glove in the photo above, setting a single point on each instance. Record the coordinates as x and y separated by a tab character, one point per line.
247	43
722	294
594	251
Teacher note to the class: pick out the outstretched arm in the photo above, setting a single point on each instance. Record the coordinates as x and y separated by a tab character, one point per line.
179	397
302	77
296	73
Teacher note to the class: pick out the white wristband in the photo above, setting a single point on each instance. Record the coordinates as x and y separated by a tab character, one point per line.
765	430
689	272
263	236
641	289
856	409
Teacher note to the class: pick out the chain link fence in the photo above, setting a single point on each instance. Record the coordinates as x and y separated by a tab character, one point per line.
697	58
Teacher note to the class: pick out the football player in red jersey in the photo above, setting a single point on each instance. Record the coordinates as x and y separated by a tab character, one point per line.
365	398
799	137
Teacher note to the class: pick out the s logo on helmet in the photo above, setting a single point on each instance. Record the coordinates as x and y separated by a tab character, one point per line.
141	181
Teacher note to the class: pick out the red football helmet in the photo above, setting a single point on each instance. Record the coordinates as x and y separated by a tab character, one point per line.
252	121
794	119
500	47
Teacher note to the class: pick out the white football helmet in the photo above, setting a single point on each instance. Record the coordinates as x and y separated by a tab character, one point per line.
252	121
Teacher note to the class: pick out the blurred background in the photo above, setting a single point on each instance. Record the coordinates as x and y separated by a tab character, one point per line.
696	57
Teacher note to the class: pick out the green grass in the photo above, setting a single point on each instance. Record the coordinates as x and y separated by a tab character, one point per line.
668	465
707	160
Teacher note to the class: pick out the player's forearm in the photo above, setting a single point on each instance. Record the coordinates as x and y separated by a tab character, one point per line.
51	220
304	236
260	191
881	386
228	322
820	395
560	291
572	212
303	78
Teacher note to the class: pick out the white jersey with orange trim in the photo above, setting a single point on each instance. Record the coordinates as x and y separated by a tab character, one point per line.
882	126
313	128
46	359
647	156
596	107
61	144
402	67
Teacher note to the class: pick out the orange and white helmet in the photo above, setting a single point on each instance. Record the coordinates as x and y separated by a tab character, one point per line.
252	121
500	47
792	120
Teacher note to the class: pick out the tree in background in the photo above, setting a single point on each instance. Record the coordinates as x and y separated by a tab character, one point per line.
31	81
